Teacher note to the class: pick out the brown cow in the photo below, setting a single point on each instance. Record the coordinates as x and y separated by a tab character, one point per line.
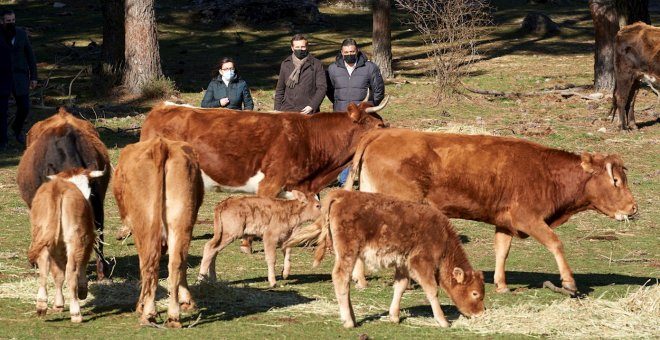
636	59
524	189
266	153
272	219
59	143
63	237
417	240
159	188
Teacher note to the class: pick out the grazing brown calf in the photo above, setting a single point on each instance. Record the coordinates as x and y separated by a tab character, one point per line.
417	240
63	237
523	188
158	187
272	219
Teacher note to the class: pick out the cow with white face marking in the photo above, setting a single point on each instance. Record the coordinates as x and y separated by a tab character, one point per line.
63	237
269	154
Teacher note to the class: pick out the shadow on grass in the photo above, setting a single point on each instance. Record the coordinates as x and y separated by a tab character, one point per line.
128	267
292	279
586	282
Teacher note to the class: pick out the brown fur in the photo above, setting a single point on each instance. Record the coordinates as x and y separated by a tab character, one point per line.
636	52
62	241
294	151
523	188
270	218
159	189
60	143
417	240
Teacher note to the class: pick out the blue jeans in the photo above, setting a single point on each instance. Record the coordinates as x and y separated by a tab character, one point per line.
343	175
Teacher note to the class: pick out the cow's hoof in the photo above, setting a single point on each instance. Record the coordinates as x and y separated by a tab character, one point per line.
58	309
395	318
246	250
173	323
443	323
188	306
41	311
501	290
148	320
285	275
349	324
76	318
273	285
569	286
82	292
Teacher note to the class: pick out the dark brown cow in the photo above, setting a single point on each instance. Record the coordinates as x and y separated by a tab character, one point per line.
524	189
417	240
59	143
63	237
158	187
636	59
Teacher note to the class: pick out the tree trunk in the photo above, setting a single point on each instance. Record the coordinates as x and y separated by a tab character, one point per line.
113	37
609	16
606	25
142	53
382	37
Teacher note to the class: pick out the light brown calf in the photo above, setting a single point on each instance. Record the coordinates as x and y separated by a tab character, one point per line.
158	187
63	237
272	219
417	240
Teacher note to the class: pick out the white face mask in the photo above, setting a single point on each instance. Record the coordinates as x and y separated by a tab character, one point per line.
228	75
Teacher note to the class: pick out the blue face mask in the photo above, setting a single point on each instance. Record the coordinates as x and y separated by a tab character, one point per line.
228	75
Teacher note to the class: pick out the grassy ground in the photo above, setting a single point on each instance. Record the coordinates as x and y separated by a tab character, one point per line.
609	258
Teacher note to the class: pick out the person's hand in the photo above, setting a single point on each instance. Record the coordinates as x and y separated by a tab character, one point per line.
33	84
307	110
224	101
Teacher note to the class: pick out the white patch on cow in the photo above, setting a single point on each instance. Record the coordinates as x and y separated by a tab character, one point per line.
286	195
82	182
650	79
251	186
366	184
378	258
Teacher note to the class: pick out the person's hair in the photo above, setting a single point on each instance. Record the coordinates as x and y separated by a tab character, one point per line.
6	12
214	71
349	42
298	37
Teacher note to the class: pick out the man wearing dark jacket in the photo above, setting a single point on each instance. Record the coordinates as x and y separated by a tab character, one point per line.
351	75
301	85
18	74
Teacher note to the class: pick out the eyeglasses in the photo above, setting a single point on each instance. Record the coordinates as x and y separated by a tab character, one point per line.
228	69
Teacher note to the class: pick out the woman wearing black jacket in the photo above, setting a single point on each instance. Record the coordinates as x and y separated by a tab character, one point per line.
228	90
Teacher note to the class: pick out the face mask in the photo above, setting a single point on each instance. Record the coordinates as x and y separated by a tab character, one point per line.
350	58
228	75
300	54
10	28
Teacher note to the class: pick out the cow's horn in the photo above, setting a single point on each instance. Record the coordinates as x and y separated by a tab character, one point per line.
367	97
608	166
379	107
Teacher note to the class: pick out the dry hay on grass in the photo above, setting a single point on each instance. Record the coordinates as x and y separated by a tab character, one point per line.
636	315
462	129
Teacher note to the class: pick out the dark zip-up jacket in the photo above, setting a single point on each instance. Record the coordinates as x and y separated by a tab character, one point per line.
344	88
238	93
23	65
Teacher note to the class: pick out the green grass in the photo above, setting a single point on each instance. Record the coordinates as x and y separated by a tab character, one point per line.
304	306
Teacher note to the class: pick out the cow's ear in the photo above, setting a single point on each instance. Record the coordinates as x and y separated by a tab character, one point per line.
354	112
299	196
587	163
458	275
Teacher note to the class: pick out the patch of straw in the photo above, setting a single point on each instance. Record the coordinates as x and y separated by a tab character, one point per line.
462	129
636	315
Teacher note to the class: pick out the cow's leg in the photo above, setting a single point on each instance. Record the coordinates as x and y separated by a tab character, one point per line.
57	268
43	263
423	272
342	284
358	274
211	250
102	268
287	263
72	276
622	91
149	267
630	109
270	245
400	285
174	269
502	246
544	235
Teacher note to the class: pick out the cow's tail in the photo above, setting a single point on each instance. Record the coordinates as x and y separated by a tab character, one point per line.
357	161
317	233
47	233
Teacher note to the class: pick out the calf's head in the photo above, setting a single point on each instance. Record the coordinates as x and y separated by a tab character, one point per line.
311	207
80	177
607	188
367	116
466	289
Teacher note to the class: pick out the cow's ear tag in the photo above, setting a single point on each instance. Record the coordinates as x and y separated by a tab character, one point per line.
587	163
458	275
